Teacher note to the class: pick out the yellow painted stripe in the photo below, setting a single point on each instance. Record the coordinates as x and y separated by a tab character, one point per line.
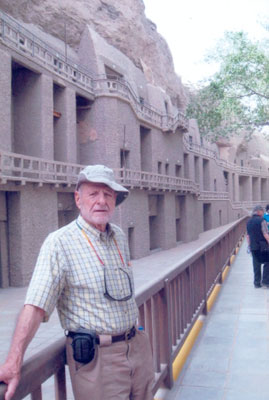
213	296
225	272
189	342
186	348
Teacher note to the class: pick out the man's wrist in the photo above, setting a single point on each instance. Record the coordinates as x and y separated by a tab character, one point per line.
13	365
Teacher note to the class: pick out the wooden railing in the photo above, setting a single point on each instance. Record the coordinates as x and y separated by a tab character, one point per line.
168	308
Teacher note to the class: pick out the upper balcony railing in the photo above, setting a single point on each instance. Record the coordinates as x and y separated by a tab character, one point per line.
149	180
240	169
143	110
17	37
206	152
210	195
21	168
196	148
17	167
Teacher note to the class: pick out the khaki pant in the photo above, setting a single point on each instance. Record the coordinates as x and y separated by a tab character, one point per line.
119	371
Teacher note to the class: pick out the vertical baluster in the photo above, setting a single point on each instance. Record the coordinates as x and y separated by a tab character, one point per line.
166	347
60	384
156	333
148	319
141	317
37	394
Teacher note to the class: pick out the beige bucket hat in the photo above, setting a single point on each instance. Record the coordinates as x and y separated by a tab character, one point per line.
105	175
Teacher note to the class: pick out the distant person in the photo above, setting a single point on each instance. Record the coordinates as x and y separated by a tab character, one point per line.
83	269
266	215
257	233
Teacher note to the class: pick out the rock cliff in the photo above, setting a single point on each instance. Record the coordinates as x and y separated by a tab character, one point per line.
121	22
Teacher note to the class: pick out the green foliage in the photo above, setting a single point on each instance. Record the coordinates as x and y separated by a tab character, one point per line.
236	98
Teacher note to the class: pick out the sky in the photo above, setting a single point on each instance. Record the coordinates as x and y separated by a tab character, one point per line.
192	27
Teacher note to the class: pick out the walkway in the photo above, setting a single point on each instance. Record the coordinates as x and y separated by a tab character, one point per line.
230	359
231	356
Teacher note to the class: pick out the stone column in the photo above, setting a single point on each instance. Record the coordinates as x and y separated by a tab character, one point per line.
168	221
71	136
265	189
46	117
4	272
5	101
33	114
65	138
32	215
248	193
256	189
235	185
129	215
188	217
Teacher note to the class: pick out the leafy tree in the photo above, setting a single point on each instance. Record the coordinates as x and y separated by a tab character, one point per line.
236	98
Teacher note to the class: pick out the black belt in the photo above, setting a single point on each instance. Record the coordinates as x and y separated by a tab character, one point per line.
128	335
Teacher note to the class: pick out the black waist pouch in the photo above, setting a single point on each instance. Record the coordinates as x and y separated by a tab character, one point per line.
83	344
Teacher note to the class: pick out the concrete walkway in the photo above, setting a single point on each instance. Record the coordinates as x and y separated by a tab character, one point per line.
229	360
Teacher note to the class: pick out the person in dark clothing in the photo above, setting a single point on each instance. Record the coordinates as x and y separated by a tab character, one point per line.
257	231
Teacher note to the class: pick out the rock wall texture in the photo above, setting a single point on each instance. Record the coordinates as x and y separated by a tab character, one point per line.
121	22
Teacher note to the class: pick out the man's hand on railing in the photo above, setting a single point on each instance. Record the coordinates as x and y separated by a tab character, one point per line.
28	322
10	377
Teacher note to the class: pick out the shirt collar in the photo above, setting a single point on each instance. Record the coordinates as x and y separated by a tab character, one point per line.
95	233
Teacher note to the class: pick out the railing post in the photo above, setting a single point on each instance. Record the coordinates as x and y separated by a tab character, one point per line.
204	260
156	333
60	384
37	394
166	323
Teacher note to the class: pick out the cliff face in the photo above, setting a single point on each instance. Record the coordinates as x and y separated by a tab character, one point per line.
121	22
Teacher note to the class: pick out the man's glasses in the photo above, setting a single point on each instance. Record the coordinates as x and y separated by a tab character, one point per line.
112	287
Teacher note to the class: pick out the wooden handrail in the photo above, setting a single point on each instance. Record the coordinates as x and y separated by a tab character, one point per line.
37	369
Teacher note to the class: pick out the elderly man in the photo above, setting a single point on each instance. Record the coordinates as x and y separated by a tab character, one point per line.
83	269
257	233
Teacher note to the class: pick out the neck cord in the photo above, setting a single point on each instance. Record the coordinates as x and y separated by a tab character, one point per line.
92	246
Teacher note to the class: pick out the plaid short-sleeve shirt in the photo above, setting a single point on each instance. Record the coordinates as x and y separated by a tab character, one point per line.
70	276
